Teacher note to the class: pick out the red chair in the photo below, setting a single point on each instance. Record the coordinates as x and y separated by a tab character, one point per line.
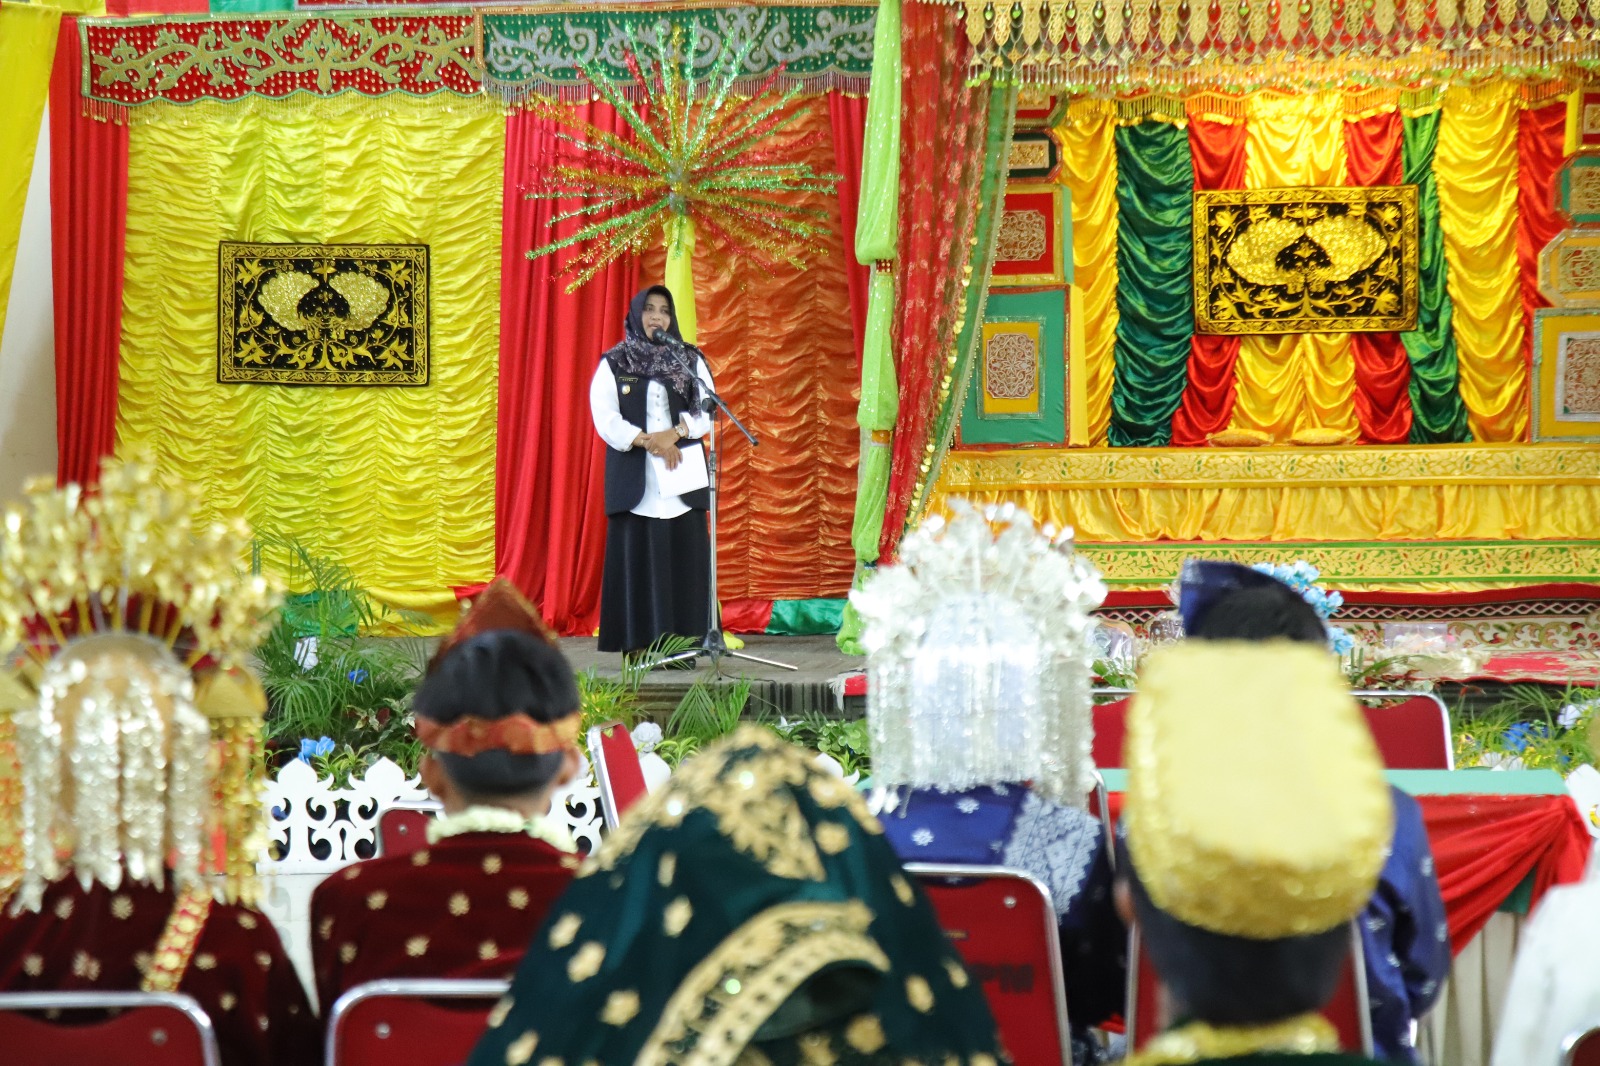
1582	1048
1003	924
616	770
1110	726
153	1029
403	828
1413	734
418	1021
1349	1010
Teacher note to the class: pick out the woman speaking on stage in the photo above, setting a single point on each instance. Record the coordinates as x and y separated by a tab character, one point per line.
658	555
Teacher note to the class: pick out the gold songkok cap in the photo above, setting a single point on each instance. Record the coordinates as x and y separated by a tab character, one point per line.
1256	803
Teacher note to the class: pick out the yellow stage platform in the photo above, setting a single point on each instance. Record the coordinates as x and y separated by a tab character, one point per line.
1435	518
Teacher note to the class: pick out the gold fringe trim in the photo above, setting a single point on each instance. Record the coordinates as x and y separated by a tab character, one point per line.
1180	108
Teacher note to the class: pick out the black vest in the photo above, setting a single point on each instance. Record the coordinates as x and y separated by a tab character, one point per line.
625	470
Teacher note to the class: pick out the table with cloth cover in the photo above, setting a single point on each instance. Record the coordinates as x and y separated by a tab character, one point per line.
1500	839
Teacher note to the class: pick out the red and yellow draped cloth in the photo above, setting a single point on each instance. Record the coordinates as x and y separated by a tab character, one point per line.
1484	159
361	128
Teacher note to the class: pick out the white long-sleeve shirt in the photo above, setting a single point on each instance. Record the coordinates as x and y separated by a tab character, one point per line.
619	433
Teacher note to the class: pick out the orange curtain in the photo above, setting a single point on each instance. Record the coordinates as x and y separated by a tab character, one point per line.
1541	149
1218	153
1372	156
783	353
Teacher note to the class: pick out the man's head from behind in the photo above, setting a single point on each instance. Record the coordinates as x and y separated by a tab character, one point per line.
1257	820
499	717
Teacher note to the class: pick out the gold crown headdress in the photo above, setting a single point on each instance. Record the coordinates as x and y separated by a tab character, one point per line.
108	600
979	655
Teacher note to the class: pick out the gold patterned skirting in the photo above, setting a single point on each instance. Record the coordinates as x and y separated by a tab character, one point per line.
1425	519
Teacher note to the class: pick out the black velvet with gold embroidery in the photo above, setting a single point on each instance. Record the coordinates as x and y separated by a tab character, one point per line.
749	912
322	314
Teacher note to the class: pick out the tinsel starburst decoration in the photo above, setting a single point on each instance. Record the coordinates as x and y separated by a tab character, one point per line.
698	154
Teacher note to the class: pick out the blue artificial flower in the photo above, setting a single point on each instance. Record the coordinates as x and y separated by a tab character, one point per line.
1340	640
1518	735
309	748
358	675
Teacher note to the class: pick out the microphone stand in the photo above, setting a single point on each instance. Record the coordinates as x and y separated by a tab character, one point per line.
712	646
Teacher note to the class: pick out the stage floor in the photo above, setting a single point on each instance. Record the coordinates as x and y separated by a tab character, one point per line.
804	690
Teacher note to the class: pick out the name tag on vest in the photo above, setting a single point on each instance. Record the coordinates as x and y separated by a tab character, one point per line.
626	382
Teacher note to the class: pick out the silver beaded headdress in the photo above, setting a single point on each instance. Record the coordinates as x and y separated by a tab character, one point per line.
114	761
979	657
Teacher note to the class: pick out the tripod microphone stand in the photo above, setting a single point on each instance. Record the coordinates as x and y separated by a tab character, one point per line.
712	646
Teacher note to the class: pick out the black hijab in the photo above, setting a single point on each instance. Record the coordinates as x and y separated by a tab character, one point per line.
638	354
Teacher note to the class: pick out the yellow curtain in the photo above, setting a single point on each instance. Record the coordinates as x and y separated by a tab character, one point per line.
396	482
27	50
1289	382
1089	169
1476	167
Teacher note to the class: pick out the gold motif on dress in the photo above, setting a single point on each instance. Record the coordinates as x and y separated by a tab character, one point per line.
1305	259
751	806
718	1007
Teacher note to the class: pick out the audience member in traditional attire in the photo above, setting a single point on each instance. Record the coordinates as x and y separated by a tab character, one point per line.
1555	984
125	863
980	653
1257	820
750	911
1404	936
498	716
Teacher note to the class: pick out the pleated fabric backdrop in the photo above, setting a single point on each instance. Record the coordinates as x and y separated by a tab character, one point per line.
493	467
396	482
1485	162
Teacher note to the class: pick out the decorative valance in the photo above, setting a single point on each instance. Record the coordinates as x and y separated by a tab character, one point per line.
128	63
1241	45
540	50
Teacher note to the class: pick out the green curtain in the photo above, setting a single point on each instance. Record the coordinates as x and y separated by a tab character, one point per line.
1438	414
806	617
1155	199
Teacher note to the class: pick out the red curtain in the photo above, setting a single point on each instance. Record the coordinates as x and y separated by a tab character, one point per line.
1483	846
549	467
1382	372
943	124
847	115
1541	149
88	216
1218	152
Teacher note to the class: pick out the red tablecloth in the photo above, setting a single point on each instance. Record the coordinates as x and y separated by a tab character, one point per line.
1484	845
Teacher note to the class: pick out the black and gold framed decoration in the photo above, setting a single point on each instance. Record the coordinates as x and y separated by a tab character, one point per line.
1305	259
322	314
1033	156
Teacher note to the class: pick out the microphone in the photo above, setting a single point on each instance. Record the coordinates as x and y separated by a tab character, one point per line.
661	336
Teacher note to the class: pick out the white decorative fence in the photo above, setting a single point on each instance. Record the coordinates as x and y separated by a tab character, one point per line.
318	828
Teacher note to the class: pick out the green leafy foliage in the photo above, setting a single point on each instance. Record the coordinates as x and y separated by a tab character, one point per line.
1534	727
708	711
324	678
845	739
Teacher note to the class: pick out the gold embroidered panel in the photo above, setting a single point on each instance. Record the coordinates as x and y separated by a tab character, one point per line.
322	314
1305	259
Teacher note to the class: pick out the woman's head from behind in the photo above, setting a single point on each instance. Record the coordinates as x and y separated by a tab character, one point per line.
494	713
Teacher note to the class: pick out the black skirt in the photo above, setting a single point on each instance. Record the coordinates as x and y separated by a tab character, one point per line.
657	580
